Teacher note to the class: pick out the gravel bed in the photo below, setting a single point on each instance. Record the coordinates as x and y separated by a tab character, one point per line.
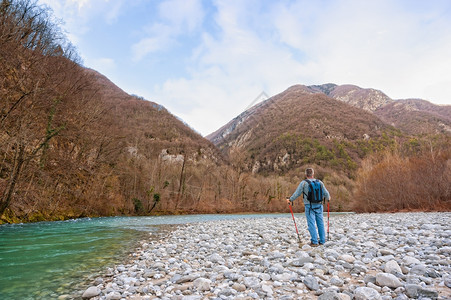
369	256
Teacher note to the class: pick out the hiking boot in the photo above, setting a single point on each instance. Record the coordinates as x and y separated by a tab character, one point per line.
313	245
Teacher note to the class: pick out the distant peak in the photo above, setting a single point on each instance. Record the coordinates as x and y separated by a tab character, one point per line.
326	88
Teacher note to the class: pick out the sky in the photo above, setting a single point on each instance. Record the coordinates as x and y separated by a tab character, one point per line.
207	61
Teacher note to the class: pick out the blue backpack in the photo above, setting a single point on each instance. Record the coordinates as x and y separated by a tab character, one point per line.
315	192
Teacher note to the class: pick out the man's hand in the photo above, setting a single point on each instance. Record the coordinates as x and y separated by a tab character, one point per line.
289	202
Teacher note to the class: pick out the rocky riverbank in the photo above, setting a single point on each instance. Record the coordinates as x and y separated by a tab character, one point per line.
368	256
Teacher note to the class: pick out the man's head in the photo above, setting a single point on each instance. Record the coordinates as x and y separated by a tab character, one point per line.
309	172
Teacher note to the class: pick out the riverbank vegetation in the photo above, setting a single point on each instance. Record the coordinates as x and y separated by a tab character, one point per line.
416	179
72	144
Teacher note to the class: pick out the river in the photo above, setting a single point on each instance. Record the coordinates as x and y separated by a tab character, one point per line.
47	259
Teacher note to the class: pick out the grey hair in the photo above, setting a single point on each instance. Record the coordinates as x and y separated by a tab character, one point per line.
309	172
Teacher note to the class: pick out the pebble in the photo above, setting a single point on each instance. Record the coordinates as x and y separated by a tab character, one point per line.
388	280
366	293
392	267
91	292
369	256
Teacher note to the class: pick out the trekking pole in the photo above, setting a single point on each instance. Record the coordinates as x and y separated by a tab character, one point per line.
295	226
328	237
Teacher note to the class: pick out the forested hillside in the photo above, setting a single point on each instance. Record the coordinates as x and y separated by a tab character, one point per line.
73	144
295	128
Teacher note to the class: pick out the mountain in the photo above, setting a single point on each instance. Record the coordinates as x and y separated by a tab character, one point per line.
412	116
330	125
300	125
140	119
416	116
367	99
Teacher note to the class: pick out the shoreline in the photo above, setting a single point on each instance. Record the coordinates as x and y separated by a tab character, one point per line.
71	218
377	256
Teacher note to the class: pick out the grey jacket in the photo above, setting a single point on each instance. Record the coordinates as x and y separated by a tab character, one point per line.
302	189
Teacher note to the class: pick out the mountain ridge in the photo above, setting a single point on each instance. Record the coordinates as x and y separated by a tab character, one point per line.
330	125
369	99
298	126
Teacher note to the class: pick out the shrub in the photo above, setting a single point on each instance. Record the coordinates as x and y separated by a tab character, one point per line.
393	182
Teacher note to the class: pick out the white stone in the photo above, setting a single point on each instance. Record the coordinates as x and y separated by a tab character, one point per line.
366	293
370	244
239	287
267	289
91	292
202	284
251	282
388	231
373	286
409	260
385	279
343	296
114	296
335	280
332	252
347	258
392	267
216	258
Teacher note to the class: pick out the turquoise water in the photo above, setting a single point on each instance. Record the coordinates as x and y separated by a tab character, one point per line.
47	259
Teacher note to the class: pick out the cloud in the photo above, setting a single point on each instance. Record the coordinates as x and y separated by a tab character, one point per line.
78	14
207	60
392	46
228	70
176	18
160	39
80	3
379	44
182	14
87	9
439	90
104	64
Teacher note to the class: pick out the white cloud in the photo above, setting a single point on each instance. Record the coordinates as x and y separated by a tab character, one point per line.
103	65
375	44
80	3
228	51
439	92
371	44
229	71
86	9
77	14
182	14
160	39
176	18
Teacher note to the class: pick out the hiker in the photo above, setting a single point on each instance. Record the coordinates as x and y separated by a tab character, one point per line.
313	206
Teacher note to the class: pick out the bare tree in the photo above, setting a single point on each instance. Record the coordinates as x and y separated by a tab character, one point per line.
32	88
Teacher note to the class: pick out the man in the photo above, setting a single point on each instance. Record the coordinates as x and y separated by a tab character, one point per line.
313	211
